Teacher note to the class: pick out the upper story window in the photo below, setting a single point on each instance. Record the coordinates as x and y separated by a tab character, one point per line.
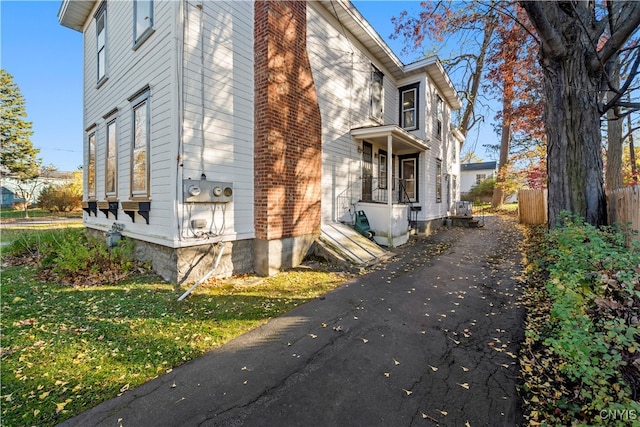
91	166
409	101
111	171
377	92
140	145
101	42
480	177
142	21
440	115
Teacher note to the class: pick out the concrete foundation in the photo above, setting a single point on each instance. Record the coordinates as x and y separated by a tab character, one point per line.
272	256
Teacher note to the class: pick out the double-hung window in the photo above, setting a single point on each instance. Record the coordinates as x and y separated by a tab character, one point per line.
91	166
382	169
409	102
440	113
101	42
142	21
111	170
140	144
377	94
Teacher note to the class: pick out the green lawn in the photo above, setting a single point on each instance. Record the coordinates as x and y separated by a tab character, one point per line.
17	214
65	349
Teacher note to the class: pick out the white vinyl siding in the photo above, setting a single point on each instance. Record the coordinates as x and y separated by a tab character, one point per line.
153	64
218	106
342	73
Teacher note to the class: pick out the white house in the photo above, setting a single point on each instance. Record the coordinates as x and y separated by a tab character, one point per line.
472	174
235	130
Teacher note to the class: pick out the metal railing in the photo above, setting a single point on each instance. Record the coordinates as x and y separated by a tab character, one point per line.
372	190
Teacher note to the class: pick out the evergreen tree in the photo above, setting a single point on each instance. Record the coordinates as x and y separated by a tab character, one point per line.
17	153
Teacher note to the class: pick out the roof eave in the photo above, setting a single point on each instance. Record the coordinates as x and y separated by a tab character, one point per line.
74	13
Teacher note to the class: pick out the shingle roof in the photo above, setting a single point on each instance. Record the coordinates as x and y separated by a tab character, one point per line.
478	166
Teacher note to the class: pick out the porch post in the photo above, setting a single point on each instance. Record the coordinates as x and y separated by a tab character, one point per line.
390	189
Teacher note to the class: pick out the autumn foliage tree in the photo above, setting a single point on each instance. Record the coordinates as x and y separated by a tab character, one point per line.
503	58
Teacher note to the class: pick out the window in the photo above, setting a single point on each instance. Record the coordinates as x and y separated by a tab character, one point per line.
480	177
409	106
377	91
438	181
382	169
440	113
140	145
111	156
142	21
91	166
101	42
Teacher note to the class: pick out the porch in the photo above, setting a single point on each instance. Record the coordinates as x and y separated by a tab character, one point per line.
388	196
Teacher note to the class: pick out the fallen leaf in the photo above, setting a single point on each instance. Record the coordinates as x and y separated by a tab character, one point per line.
467	424
407	391
464	385
444	413
395	362
60	406
387	374
313	336
465	369
364	340
433	368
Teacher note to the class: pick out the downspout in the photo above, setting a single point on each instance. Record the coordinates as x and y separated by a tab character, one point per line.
390	190
209	273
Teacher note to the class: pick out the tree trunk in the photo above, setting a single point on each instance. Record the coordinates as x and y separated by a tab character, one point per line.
572	122
465	123
505	144
613	170
632	154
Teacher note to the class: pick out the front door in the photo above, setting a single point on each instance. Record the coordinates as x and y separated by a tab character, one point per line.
367	171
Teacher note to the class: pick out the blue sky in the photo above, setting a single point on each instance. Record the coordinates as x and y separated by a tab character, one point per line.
45	60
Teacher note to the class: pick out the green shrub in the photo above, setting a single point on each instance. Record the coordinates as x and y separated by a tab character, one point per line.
74	257
591	332
60	198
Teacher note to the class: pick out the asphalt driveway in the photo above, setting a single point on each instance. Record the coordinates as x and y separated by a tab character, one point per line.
428	338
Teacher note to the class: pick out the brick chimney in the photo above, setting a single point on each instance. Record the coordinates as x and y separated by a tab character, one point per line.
287	138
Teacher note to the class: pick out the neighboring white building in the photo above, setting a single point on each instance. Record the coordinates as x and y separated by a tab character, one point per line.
252	124
471	174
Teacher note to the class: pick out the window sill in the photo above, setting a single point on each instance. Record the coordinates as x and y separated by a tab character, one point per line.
143	37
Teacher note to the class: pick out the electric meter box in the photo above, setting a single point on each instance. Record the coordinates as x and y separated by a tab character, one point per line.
203	191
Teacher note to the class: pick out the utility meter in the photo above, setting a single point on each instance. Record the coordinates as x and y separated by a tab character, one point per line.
203	191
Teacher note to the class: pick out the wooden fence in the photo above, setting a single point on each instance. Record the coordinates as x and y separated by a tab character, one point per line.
532	206
626	204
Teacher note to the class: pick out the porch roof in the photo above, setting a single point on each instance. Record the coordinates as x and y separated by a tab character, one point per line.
400	138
